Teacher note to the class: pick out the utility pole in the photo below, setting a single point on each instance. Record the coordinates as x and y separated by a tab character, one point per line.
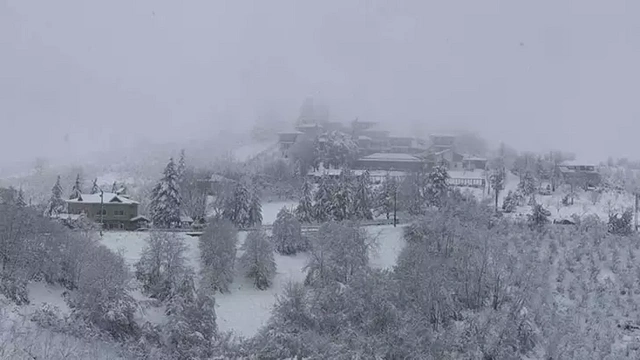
101	211
395	206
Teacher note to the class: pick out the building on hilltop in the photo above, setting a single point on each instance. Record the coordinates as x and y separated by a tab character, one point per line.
389	162
113	210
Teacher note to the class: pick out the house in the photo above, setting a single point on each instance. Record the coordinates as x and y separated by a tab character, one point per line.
376	176
112	210
389	162
580	174
186	221
286	140
447	158
470	163
440	142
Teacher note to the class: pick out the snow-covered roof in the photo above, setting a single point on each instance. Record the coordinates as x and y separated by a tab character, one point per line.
217	178
473	158
372	173
466	174
575	163
96	199
390	157
139	217
363	137
67	216
186	219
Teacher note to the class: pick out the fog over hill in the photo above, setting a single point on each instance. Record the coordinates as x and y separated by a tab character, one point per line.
537	75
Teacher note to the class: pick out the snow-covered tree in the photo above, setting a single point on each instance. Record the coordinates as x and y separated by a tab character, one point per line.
191	325
114	188
165	199
287	233
182	164
621	224
76	190
339	149
436	187
410	194
338	251
343	197
509	203
527	184
323	199
496	179
304	211
241	206
257	261
539	215
20	201
95	189
56	203
162	264
387	196
218	246
254	217
102	297
362	202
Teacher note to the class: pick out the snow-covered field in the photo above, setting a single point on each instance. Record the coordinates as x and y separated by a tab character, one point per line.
246	309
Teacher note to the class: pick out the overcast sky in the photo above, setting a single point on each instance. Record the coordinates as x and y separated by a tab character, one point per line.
536	74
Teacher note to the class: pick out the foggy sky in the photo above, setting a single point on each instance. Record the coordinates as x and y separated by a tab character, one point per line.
535	74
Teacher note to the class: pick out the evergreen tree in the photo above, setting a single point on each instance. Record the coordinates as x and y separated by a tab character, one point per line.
191	326
323	199
362	203
342	197
165	199
76	190
539	216
218	245
527	184
257	261
436	187
95	189
509	203
255	210
387	196
287	233
497	183
238	204
20	202
304	210
182	164
114	188
56	203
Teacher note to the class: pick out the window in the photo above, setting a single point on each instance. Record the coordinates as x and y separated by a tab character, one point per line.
118	212
101	212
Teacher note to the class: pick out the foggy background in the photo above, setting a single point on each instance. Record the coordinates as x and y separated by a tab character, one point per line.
80	77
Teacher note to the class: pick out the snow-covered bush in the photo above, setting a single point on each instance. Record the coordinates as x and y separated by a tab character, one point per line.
539	216
218	247
257	261
287	234
162	264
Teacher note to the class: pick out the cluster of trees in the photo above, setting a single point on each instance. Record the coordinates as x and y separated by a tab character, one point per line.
178	193
467	285
347	198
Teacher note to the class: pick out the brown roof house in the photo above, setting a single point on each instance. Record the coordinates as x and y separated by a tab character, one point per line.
112	210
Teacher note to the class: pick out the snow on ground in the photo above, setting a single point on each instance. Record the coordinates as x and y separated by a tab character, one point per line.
270	210
246	309
42	293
